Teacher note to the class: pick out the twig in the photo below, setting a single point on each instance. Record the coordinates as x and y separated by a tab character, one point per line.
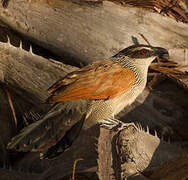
144	38
11	106
74	168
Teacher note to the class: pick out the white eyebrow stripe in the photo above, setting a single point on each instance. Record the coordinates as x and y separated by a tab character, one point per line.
139	48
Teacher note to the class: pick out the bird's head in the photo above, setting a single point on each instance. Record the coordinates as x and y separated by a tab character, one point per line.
144	54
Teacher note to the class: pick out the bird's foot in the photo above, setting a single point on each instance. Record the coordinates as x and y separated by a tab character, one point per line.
110	123
114	124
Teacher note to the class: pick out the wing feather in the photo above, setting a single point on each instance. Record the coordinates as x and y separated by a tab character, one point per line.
100	80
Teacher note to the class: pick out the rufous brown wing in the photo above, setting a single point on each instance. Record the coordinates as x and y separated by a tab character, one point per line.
100	80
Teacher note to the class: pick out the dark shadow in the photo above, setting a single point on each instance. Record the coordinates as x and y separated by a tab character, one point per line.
116	159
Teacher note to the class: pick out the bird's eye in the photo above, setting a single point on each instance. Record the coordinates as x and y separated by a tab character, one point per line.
143	51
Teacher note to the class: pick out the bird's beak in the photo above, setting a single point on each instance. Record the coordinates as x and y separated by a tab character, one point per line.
162	53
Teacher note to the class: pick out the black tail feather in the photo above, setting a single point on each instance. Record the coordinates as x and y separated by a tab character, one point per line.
65	142
44	133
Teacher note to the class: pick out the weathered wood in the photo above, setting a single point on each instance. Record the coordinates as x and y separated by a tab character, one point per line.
131	150
28	72
105	156
88	33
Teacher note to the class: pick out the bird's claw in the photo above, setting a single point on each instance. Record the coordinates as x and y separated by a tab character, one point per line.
114	124
111	124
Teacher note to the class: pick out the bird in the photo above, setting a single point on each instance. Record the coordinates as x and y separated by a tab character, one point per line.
88	96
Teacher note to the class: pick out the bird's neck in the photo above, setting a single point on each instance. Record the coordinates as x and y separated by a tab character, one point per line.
139	68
